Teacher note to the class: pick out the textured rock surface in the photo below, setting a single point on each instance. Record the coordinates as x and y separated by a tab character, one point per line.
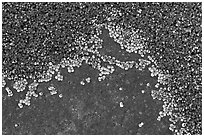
101	68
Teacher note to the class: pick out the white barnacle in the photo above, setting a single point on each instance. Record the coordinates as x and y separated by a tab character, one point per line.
35	95
64	62
3	82
159	118
141	124
33	86
111	68
136	65
46	76
59	77
143	63
123	65
20	85
104	71
153	70
20	105
50	71
60	95
121	104
148	85
53	92
163	79
88	80
172	127
27	102
56	67
16	125
101	78
51	88
155	94
70	69
143	91
130	63
82	83
157	85
9	92
41	93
